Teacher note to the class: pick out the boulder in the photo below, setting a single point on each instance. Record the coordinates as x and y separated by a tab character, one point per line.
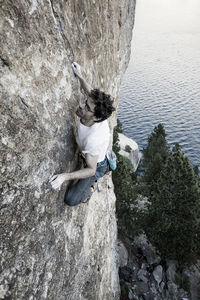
193	275
142	275
123	254
131	295
148	250
130	149
158	274
151	256
173	289
141	288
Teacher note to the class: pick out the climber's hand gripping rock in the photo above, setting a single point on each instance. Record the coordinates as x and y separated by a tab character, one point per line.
57	180
78	72
77	69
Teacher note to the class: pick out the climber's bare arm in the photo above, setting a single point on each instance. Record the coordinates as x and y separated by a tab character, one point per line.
77	71
91	161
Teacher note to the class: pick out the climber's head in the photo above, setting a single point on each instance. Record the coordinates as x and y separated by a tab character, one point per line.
97	107
103	105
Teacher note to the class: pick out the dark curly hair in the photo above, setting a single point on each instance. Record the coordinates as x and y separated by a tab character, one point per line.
103	104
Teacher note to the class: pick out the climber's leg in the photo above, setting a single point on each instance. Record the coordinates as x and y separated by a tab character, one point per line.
81	191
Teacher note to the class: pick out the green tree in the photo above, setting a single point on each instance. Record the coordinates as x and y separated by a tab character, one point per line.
154	157
172	221
128	149
196	170
124	179
157	143
117	129
119	126
116	146
125	188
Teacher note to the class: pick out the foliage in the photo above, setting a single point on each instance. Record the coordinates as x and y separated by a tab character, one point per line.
156	144
119	128
128	148
124	289
196	170
124	179
183	281
172	219
154	157
116	146
126	192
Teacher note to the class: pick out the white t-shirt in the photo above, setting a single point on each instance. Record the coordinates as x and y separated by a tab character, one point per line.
94	139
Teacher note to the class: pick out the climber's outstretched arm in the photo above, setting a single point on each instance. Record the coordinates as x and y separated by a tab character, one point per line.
77	71
91	161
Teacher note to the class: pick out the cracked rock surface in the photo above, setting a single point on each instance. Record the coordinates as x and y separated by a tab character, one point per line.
50	251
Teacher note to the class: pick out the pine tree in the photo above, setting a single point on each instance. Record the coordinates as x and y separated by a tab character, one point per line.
117	129
157	143
172	222
154	156
124	179
125	188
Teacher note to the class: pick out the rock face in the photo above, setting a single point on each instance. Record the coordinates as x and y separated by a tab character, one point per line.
50	251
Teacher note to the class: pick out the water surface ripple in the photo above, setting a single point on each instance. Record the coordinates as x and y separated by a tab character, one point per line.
162	85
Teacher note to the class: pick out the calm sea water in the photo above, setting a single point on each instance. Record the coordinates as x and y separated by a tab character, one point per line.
162	82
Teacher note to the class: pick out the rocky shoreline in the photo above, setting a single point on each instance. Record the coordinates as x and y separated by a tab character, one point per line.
144	276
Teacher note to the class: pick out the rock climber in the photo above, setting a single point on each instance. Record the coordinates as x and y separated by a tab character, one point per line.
93	136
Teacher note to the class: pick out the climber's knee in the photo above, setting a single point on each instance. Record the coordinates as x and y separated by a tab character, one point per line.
70	198
80	192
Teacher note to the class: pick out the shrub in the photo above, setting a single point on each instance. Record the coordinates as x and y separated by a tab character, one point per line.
128	149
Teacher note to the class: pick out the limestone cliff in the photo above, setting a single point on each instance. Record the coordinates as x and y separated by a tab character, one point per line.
50	251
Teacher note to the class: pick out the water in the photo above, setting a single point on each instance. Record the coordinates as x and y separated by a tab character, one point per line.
162	82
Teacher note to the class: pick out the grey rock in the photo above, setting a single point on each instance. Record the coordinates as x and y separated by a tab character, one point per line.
51	251
193	275
153	288
141	288
131	295
158	274
172	288
144	266
134	155
161	286
141	241
142	275
151	256
123	254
